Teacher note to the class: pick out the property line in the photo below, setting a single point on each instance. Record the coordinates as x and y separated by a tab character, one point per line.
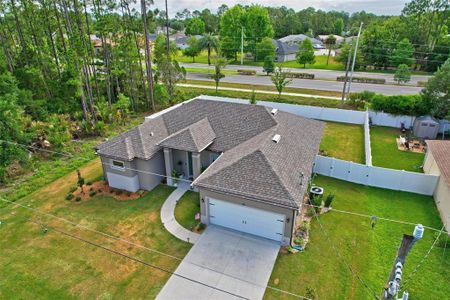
137	260
342	258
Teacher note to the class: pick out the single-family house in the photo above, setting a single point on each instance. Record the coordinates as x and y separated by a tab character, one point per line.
287	47
324	37
437	162
251	164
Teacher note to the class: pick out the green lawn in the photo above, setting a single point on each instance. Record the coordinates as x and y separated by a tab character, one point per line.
369	252
53	266
186	208
385	153
344	141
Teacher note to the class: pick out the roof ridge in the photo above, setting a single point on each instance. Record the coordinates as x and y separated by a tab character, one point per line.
129	147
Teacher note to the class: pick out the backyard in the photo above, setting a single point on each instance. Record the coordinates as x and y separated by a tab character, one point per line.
386	154
370	253
343	141
54	266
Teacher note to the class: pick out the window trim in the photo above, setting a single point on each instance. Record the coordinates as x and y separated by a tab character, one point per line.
113	166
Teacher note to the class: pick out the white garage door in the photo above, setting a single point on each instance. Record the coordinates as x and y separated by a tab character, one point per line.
247	219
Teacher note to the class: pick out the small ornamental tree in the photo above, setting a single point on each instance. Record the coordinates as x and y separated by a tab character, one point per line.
305	54
269	65
403	74
193	48
219	64
280	80
80	181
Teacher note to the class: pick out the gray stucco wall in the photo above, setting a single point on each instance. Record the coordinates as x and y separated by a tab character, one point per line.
153	165
289	213
107	162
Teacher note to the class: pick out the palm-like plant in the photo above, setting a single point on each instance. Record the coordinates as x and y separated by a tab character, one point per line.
209	42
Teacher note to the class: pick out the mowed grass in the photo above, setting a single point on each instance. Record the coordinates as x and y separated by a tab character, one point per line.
50	265
370	253
386	154
344	141
186	208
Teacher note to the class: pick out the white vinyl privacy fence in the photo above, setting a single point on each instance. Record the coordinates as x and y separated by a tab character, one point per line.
375	176
367	146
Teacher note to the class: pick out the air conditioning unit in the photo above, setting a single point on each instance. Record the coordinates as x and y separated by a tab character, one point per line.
315	191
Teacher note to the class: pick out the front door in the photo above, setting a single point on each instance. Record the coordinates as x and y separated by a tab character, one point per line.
190	171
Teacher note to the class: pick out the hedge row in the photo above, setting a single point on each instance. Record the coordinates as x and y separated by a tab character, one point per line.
364	80
299	75
400	104
246	72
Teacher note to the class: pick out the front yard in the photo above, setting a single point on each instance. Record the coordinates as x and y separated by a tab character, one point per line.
369	252
343	141
385	153
54	266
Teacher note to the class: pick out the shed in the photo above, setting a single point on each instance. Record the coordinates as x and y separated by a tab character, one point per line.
426	127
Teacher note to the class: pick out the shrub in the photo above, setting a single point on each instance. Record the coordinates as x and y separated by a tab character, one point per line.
111	191
73	189
92	194
128	194
201	226
78	199
89	183
246	72
69	196
300	75
328	200
118	192
299	241
310	212
364	80
359	100
305	226
91	189
253	97
400	104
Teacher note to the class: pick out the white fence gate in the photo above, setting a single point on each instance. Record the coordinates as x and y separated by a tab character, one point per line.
375	176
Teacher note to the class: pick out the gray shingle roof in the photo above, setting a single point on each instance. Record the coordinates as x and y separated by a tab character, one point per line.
267	171
251	166
193	138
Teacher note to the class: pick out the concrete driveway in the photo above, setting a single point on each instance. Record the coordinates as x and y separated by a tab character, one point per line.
231	265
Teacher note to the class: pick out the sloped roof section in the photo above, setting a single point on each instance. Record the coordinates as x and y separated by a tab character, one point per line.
140	141
277	173
441	154
193	138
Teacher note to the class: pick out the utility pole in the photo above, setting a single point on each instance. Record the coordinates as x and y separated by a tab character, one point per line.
354	59
167	32
242	45
391	289
349	56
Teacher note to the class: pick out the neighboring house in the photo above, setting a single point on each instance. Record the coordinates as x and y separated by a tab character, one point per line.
182	42
251	164
437	162
287	47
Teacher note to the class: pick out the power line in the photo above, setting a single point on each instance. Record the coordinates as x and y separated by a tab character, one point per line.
250	194
342	258
138	260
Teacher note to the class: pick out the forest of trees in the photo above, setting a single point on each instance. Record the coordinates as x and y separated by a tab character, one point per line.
69	68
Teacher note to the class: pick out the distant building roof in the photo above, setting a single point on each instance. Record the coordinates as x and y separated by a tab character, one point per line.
299	38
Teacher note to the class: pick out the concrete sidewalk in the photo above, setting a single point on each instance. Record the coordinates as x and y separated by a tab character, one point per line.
168	216
258	91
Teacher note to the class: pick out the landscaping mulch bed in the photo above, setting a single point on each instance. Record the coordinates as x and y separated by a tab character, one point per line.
102	188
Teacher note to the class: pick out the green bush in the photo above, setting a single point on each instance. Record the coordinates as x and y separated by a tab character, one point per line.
69	196
305	226
92	193
299	75
201	226
89	183
299	241
310	212
73	189
78	199
363	80
246	72
328	200
359	100
400	104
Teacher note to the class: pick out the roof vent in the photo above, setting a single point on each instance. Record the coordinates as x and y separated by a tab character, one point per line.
151	133
274	111
276	138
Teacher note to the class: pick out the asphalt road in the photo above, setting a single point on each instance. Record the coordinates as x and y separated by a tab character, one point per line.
319	74
325	85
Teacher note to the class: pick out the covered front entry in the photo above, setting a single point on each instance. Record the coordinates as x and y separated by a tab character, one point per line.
246	219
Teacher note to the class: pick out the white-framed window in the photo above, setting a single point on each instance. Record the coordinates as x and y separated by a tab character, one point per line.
118	165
